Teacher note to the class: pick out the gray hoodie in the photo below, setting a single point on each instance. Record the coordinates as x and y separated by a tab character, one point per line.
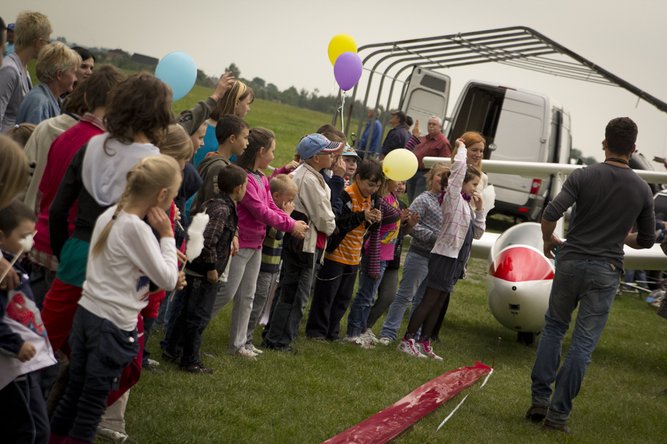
105	169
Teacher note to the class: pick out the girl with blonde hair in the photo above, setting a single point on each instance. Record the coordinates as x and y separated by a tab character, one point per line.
236	100
125	257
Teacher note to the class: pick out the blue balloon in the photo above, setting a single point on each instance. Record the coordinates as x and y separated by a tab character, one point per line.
178	70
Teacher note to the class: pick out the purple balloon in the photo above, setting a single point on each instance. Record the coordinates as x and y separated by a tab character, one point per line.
347	70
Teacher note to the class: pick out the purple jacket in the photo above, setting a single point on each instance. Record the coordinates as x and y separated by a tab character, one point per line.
257	210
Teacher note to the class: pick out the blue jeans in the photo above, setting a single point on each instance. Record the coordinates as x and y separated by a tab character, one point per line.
361	306
412	286
592	285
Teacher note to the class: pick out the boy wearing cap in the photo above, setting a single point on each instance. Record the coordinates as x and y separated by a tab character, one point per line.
312	204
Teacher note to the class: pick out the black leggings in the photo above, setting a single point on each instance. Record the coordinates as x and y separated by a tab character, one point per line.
432	307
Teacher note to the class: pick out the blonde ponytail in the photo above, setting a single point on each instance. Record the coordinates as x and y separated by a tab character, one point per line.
144	181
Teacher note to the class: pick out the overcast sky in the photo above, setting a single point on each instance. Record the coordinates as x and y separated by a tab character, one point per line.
285	42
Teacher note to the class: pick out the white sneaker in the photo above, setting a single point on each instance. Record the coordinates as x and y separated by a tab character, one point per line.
385	341
369	337
248	354
254	349
358	340
409	347
428	350
111	435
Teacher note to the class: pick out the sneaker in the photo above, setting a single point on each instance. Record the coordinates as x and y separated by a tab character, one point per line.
111	435
360	340
197	368
245	353
152	366
536	413
556	426
254	349
409	346
385	341
428	350
369	337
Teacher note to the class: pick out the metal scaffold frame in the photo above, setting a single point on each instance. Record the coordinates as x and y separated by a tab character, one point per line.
517	46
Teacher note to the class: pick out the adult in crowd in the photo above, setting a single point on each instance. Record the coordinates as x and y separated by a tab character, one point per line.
32	32
369	144
610	199
87	63
56	69
433	144
398	135
38	145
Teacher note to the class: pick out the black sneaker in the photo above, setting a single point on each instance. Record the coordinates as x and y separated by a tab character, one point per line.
556	426
536	413
197	368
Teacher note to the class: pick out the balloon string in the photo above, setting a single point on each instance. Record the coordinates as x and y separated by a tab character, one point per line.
342	110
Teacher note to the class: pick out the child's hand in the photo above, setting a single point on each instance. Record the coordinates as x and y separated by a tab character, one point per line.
212	276
299	230
413	219
338	167
372	215
288	207
224	83
158	219
182	258
405	214
27	352
181	283
477	200
291	166
11	281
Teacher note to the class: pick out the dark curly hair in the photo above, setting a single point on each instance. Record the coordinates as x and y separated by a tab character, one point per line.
140	104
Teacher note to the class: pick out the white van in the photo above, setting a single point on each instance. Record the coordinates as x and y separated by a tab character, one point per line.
518	125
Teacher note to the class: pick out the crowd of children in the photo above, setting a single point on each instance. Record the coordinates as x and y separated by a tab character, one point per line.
108	196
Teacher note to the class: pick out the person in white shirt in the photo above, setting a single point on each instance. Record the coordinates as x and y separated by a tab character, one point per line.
124	257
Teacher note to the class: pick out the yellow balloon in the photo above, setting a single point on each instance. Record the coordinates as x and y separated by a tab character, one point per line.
400	164
339	44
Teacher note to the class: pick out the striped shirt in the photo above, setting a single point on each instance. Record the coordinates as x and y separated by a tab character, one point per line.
271	251
349	250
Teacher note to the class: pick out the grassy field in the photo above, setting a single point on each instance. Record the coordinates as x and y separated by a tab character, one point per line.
323	389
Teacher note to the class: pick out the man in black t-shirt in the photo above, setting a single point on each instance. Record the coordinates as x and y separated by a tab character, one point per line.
610	199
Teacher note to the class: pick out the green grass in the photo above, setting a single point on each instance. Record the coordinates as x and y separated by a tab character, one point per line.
325	388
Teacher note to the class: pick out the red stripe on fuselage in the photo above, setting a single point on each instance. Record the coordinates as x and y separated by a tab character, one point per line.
519	264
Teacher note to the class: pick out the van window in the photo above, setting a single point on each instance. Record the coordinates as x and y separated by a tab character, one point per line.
434	83
479	111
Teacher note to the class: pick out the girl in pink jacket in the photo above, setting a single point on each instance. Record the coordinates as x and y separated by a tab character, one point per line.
255	212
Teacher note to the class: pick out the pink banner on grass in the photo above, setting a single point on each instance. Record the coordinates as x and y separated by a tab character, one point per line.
392	421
